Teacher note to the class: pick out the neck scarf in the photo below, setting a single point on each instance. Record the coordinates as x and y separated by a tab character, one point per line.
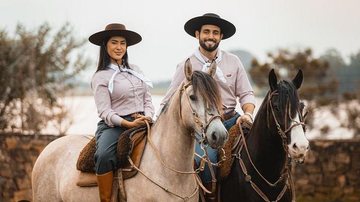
121	68
206	64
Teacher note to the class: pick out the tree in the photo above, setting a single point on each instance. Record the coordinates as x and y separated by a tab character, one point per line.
319	84
36	69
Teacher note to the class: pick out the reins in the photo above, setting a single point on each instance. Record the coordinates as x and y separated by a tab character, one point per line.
202	139
184	198
286	173
249	179
203	127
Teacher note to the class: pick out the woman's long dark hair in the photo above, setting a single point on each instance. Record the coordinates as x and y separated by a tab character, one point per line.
104	58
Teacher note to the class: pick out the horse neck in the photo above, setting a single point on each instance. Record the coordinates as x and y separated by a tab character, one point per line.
266	148
172	139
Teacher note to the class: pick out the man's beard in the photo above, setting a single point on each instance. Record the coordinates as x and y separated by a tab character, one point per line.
209	49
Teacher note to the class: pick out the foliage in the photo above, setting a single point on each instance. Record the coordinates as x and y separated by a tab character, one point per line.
36	69
318	81
327	80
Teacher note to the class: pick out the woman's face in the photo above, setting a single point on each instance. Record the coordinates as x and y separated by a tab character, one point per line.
116	48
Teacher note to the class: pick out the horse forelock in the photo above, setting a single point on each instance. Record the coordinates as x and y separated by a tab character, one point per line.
205	86
288	93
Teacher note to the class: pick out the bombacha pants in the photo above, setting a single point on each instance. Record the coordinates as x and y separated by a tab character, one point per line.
106	146
206	175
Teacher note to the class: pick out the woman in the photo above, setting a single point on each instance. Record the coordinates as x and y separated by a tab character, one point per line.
122	98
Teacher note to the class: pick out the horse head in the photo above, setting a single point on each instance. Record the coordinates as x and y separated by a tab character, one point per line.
201	106
284	112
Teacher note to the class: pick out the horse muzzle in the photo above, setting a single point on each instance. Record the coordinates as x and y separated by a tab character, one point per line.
216	134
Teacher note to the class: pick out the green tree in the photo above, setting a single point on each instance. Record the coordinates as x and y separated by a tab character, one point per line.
36	69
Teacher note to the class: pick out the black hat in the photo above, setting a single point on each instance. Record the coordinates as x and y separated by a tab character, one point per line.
194	24
115	29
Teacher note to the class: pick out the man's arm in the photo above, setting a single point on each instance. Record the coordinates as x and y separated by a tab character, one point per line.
248	110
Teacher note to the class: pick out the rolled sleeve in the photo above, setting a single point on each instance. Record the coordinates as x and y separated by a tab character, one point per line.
244	91
148	106
116	120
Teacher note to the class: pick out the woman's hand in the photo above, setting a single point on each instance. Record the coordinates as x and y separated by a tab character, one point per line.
139	121
149	119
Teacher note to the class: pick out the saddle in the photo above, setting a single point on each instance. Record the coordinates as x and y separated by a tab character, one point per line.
231	147
131	144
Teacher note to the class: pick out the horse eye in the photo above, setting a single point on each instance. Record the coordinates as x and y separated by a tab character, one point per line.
193	97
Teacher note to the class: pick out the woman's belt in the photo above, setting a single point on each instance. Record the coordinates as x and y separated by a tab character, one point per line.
134	115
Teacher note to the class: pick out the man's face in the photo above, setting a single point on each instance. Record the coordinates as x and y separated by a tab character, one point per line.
209	37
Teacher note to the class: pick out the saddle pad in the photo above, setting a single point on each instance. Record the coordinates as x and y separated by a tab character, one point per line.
86	161
86	179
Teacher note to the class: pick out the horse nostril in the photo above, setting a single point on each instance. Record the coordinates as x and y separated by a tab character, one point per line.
295	146
213	136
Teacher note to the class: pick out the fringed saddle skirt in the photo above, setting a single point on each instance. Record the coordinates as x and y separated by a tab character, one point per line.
233	143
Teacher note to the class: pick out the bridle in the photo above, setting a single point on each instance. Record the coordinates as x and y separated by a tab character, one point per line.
200	136
283	132
202	139
286	172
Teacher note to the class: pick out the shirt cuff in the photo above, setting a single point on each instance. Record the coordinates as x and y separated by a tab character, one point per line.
116	120
148	113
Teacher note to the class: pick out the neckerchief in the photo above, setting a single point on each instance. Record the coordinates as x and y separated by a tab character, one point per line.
121	68
206	64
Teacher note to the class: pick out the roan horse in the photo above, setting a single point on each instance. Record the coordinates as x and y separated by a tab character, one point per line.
261	170
167	172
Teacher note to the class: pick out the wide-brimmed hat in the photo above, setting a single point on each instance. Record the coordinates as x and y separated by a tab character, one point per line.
115	29
227	28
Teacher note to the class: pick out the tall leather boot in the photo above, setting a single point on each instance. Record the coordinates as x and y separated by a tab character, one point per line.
105	183
213	197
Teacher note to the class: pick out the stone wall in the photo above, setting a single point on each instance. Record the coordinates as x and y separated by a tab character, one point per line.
331	172
18	154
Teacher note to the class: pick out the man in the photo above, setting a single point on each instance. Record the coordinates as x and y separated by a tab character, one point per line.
230	75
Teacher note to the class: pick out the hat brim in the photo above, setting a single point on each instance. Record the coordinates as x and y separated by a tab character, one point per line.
194	24
131	37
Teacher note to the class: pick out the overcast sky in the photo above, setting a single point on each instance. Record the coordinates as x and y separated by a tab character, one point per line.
262	25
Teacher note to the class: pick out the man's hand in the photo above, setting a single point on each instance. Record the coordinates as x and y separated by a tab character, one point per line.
244	118
139	121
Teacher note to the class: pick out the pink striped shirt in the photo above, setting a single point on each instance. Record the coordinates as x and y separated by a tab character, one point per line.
130	95
237	83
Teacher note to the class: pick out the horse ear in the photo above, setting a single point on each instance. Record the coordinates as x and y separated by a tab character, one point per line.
188	69
212	69
272	80
297	81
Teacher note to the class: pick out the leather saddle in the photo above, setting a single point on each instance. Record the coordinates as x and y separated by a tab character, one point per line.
131	144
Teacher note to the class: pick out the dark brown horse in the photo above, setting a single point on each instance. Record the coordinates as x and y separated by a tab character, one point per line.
261	170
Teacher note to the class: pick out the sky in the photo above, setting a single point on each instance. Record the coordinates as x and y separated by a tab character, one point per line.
262	26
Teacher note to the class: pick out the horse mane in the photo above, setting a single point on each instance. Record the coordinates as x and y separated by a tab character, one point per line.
204	85
288	92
